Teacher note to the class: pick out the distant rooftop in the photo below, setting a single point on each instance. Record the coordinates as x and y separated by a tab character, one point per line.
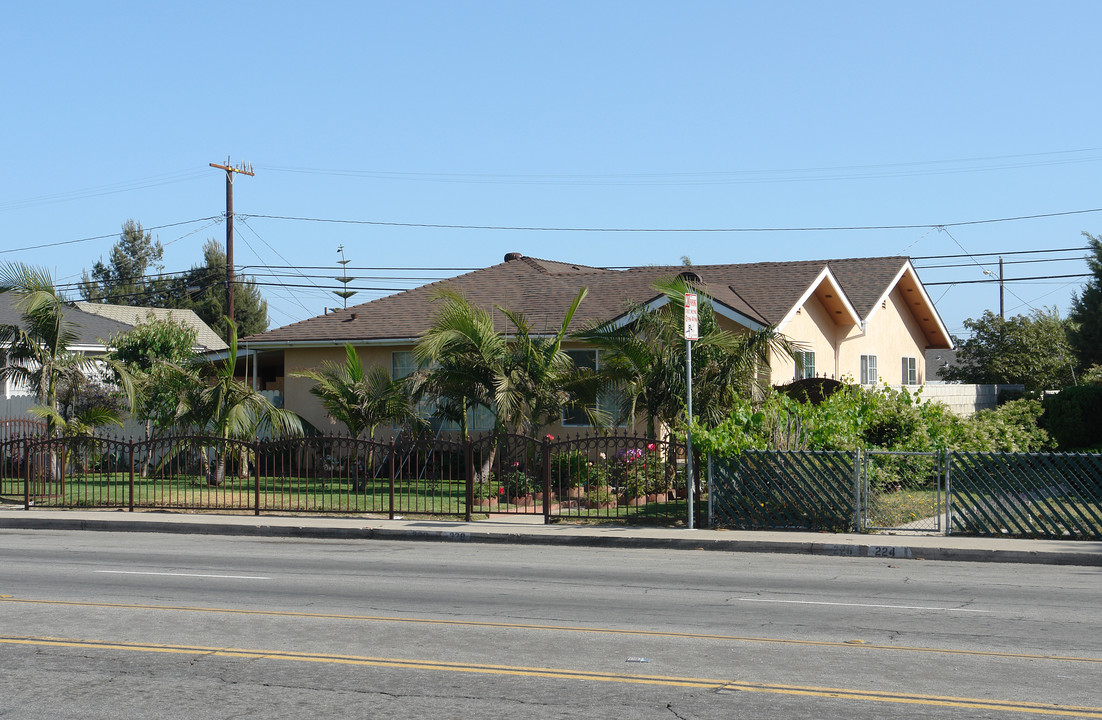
206	338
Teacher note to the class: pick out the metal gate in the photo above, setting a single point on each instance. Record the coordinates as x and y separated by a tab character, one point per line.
904	490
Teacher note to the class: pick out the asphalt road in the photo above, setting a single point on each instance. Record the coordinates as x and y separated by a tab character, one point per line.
120	625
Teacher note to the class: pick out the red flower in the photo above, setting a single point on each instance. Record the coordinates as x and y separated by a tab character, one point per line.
650	447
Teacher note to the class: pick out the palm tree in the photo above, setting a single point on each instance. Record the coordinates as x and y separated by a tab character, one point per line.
228	408
522	378
38	350
643	362
38	353
361	400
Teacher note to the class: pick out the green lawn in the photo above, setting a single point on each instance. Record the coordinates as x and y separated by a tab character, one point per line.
299	494
902	507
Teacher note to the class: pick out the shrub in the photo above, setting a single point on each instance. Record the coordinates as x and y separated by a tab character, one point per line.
1073	417
881	419
570	469
516	481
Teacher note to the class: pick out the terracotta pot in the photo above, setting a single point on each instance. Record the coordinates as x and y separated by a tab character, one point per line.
635	501
574	493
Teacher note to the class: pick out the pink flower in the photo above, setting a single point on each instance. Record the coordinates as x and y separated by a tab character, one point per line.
650	447
516	464
550	438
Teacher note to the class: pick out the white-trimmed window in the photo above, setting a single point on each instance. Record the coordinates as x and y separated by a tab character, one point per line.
910	371
869	376
607	402
805	364
403	363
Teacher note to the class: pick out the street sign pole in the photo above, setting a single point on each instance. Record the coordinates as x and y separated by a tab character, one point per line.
692	332
689	429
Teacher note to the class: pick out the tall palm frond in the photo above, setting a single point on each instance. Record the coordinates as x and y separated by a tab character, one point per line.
644	361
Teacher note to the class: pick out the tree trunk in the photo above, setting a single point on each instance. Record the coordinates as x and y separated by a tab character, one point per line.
148	461
216	474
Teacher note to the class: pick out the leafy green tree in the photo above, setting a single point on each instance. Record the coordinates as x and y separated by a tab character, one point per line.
214	401
1086	310
1029	350
123	279
644	361
203	289
151	351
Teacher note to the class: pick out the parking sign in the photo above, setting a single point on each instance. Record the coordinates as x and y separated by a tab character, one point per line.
692	331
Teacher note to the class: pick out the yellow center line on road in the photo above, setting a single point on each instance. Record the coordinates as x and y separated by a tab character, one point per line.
555	628
567	674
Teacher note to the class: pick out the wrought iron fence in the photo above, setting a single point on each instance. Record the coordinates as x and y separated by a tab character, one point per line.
598	477
602	477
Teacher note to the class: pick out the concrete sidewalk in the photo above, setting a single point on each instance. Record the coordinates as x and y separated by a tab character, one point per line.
530	530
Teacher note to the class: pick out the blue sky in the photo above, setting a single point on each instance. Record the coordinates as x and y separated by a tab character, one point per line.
648	115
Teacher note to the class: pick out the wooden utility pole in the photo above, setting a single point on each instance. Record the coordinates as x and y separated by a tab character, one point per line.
230	170
1002	313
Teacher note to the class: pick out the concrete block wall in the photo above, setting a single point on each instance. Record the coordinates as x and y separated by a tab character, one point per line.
961	399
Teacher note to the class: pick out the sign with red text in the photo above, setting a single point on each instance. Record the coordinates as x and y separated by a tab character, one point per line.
692	329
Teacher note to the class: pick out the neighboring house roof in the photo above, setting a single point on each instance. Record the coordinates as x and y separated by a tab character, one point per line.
91	330
205	337
937	359
754	294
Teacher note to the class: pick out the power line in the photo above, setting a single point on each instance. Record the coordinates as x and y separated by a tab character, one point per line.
1008	262
98	191
104	237
851	172
445	226
254	232
1009	280
1005	252
329	267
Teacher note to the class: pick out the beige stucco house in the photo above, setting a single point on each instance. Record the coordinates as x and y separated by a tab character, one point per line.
864	319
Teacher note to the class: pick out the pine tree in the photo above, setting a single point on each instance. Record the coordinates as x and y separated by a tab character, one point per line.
1086	310
203	289
123	280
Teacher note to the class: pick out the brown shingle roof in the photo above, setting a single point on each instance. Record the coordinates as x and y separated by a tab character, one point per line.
544	289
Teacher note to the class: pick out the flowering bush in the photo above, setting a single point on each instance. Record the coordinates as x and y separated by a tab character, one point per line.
516	481
488	490
638	471
571	469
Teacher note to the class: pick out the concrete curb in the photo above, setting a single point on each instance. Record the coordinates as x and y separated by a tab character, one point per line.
795	547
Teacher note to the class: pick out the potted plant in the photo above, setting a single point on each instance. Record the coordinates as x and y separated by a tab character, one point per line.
599	497
486	494
570	473
519	486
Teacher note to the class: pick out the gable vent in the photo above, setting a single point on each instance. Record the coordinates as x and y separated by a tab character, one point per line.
689	276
